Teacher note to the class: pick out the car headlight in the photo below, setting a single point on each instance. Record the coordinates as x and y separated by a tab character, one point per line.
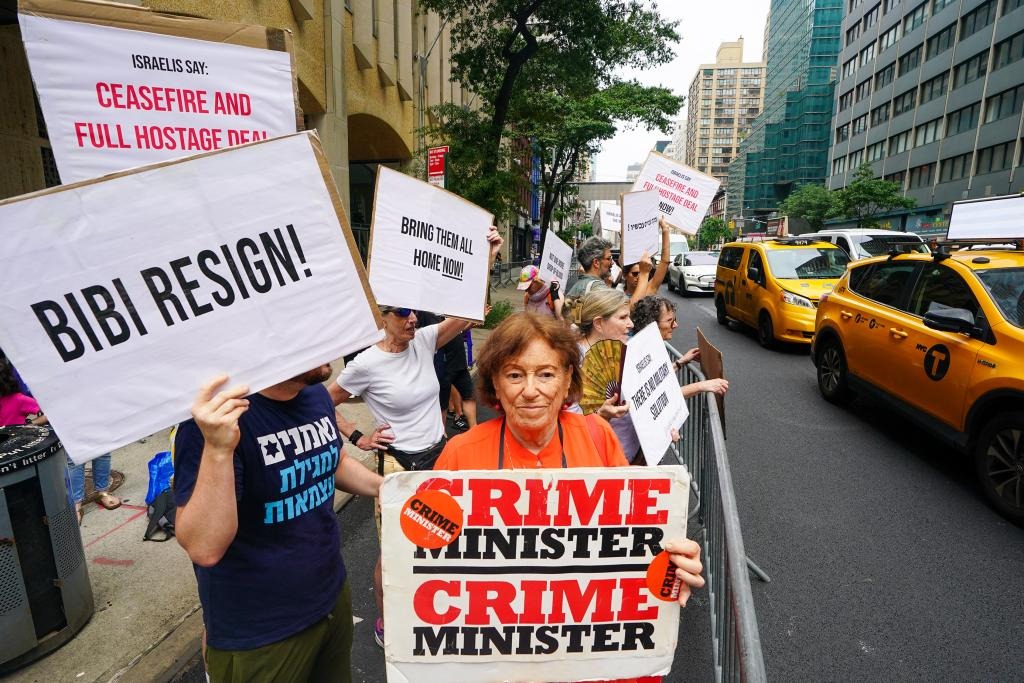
689	276
796	299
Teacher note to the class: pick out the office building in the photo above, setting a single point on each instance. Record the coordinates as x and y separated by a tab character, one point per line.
724	99
788	144
930	94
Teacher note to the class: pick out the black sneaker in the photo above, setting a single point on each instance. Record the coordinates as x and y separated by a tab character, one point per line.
460	423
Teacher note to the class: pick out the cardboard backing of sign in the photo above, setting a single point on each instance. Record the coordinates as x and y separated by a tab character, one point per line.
144	19
132	425
713	367
422	300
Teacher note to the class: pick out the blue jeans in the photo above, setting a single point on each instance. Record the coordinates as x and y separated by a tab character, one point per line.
76	477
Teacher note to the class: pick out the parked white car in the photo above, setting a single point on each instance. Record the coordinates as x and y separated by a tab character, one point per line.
865	243
694	272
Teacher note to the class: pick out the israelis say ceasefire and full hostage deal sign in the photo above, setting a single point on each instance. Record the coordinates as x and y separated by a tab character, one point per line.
684	194
531	575
428	248
120	297
640	229
554	262
651	390
115	98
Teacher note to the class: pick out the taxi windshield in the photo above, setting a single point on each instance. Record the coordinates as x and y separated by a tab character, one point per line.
812	263
876	245
1006	286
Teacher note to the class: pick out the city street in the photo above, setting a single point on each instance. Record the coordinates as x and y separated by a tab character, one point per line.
885	561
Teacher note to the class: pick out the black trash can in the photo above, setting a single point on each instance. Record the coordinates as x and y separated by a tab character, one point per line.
45	595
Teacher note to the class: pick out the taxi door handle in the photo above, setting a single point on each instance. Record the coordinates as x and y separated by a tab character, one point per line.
845	315
899	334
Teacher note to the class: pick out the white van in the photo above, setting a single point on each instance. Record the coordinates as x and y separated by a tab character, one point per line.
864	243
677	244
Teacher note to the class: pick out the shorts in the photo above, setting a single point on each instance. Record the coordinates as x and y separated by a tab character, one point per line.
462	381
322	652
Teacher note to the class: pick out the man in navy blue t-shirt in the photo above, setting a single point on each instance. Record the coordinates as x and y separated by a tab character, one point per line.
254	484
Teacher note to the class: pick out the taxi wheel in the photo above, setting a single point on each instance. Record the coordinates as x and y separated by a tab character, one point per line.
765	330
999	464
832	382
720	315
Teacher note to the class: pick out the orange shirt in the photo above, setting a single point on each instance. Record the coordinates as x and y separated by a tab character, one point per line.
477	449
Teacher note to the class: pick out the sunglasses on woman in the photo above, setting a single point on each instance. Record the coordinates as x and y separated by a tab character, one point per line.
400	312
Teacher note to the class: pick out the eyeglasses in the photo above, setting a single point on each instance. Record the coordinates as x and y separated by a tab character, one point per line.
400	312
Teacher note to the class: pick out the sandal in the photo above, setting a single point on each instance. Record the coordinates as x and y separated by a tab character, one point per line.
79	512
108	501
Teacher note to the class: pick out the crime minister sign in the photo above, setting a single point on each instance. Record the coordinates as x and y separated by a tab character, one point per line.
543	575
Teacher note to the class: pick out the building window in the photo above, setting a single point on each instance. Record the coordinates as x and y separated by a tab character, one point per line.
927	132
955	168
915	17
962	120
838	165
904	102
867	54
941	41
1010	5
898	177
852	34
843	133
1006	103
921	176
860	124
970	70
880	114
853	161
977	19
910	61
938	5
863	90
889	38
888	5
849	68
899	143
884	77
1008	51
876	151
934	87
995	158
871	17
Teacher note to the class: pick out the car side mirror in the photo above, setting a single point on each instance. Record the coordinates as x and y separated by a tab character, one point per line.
754	273
679	260
958	320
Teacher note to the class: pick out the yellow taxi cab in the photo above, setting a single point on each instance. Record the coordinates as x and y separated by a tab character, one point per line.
774	286
938	338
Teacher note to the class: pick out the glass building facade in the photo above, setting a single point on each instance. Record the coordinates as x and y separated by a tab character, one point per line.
788	144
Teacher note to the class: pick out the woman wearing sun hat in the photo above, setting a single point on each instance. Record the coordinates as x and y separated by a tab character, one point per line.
539	297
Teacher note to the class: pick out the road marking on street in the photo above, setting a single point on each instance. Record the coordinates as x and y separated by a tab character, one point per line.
357	620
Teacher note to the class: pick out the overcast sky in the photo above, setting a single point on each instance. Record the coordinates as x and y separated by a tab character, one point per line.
703	25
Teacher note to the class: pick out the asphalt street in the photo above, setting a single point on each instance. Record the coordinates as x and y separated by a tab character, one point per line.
885	561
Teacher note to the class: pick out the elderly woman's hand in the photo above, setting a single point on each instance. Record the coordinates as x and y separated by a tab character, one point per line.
691	355
494	239
611	408
685	555
715	386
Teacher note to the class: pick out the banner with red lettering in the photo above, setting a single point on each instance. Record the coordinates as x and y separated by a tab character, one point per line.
115	98
684	194
539	575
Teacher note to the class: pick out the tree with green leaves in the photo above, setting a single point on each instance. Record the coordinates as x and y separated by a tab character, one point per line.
544	70
813	203
713	231
867	196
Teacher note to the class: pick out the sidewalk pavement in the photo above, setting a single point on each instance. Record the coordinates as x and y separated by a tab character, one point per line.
147	625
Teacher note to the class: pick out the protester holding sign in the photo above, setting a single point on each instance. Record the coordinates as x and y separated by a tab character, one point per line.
254	485
637	280
530	369
538	297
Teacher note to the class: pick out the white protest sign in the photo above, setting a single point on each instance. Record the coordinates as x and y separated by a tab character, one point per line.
120	297
685	194
115	98
650	388
608	217
997	218
554	262
531	575
640	229
428	248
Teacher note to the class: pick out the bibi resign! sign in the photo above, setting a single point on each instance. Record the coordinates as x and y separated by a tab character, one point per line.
115	98
542	575
120	297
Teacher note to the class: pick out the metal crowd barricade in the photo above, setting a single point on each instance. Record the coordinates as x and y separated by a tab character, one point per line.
701	447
